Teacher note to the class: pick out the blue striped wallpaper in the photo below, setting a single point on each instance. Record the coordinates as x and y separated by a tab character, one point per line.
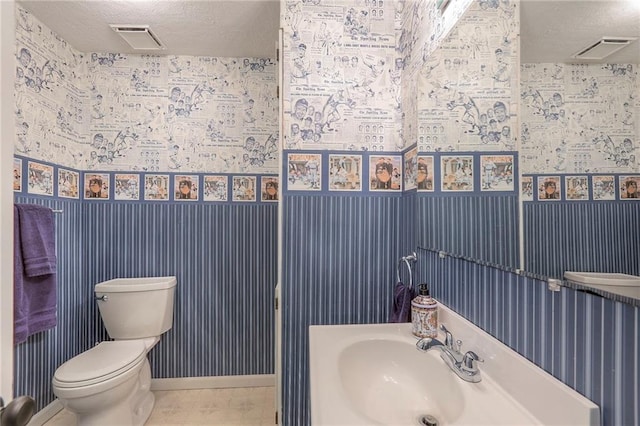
223	255
588	342
336	270
340	257
579	338
225	261
37	359
408	216
481	226
340	254
582	236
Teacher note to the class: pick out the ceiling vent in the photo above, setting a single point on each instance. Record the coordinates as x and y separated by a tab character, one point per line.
139	37
604	47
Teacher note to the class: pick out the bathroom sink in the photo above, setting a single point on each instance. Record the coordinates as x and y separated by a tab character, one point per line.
622	284
377	378
373	374
603	278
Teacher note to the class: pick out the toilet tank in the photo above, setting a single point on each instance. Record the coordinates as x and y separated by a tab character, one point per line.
136	308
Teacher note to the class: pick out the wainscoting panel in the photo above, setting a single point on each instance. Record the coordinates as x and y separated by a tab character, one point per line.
223	255
339	267
408	235
581	236
479	226
588	342
225	260
37	359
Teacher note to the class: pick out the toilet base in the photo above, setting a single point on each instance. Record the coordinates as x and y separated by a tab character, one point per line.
115	415
121	414
132	410
143	408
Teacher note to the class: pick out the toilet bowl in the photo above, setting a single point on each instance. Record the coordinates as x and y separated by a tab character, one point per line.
110	384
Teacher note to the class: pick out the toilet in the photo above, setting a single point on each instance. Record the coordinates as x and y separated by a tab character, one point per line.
110	383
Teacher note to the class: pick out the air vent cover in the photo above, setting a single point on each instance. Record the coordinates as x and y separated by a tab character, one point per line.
139	37
604	47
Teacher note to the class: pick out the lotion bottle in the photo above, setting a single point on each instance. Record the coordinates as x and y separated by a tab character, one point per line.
424	314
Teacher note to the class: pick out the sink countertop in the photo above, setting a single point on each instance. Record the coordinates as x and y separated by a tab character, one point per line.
547	398
513	390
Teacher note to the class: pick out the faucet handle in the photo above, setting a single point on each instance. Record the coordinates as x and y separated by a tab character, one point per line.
448	337
469	361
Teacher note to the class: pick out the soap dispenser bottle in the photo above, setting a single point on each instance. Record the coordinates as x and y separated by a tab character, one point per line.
424	314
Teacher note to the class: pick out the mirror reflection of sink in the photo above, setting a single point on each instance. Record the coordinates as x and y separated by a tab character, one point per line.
379	380
622	284
603	279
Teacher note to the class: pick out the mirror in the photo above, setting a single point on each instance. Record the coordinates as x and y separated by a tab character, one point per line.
571	121
579	131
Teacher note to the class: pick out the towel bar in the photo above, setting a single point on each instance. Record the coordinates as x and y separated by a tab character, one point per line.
408	260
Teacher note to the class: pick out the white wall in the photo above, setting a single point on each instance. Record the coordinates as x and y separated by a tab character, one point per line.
7	70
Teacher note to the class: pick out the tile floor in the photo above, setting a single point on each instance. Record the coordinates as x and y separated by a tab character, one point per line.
229	406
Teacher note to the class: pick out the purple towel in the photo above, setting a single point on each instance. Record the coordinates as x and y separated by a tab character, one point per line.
34	271
401	309
38	239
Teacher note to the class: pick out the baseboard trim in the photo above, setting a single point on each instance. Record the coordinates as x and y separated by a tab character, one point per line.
46	414
214	382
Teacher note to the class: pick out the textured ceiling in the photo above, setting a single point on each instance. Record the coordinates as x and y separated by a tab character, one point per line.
551	30
554	30
220	28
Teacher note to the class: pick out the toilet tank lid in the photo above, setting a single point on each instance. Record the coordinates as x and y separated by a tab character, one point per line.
119	285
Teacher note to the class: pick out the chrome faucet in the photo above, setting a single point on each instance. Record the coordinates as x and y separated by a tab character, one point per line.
464	365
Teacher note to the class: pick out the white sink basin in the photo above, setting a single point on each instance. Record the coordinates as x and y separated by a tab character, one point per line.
374	375
378	381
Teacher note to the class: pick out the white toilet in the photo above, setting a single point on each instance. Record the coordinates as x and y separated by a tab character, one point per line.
110	383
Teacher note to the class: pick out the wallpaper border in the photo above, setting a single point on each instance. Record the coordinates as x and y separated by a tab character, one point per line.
38	178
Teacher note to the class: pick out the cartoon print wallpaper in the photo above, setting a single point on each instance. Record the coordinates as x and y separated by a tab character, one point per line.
580	118
68	184
345	172
344	65
337	59
468	87
40	178
17	174
145	113
360	75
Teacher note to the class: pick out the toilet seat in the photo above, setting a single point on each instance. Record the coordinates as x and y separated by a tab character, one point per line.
100	363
